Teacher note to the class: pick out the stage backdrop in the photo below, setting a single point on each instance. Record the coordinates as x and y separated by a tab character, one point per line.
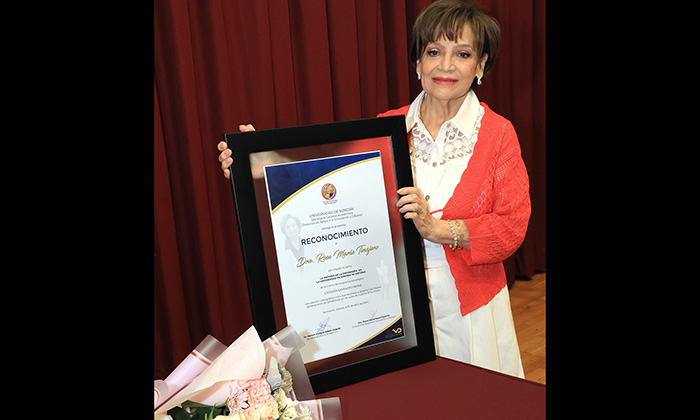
279	63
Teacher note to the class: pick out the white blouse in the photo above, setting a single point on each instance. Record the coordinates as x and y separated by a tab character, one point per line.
438	164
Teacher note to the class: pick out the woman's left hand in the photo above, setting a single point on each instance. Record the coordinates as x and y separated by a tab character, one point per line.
415	207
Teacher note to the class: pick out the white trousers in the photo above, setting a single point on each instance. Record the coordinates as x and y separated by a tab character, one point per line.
484	337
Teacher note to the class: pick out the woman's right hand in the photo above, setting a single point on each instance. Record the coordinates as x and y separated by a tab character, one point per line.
225	156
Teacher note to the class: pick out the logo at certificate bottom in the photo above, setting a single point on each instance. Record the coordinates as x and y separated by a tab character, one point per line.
328	191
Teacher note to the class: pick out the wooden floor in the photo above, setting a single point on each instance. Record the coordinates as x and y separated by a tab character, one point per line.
528	303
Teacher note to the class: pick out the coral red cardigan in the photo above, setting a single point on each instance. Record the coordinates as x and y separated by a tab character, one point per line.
493	198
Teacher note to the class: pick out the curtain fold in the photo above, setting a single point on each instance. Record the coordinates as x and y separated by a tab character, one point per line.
280	63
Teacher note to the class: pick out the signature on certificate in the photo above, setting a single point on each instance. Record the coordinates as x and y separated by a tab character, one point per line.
323	325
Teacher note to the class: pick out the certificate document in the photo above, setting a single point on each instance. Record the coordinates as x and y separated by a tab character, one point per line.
335	252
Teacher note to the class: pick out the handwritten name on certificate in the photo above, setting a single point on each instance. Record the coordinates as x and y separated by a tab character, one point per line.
335	252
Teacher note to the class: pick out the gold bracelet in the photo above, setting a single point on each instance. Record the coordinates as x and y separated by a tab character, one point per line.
460	235
457	237
454	236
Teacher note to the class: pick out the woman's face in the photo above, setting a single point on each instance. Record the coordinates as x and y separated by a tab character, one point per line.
448	68
291	229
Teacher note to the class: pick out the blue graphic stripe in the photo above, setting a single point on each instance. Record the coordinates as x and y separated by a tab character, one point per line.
391	332
286	179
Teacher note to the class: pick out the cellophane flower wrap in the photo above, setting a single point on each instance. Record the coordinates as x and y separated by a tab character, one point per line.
251	380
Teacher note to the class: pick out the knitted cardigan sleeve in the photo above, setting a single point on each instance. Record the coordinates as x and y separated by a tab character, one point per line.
493	196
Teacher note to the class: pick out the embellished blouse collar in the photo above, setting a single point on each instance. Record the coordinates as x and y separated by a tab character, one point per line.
456	137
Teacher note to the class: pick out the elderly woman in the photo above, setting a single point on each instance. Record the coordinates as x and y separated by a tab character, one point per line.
470	201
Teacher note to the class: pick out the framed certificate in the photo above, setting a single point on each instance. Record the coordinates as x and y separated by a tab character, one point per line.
327	251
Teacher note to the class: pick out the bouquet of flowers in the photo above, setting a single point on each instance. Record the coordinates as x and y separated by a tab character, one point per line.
263	398
249	380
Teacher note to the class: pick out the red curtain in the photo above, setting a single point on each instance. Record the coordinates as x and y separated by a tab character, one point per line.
279	63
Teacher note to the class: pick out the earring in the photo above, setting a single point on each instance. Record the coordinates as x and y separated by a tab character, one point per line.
418	76
478	81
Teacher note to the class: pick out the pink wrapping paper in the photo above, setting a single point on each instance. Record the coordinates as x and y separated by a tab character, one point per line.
246	358
194	364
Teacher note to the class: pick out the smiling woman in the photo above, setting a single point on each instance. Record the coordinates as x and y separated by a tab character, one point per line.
448	21
447	70
454	48
476	223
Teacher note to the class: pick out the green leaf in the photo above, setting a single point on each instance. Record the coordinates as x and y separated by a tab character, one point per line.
179	413
198	411
192	404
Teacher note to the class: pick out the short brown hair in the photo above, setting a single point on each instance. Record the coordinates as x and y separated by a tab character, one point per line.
446	18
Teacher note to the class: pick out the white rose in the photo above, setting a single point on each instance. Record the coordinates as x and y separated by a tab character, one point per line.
280	398
289	414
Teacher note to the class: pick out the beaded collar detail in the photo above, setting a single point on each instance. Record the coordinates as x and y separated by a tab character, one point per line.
457	144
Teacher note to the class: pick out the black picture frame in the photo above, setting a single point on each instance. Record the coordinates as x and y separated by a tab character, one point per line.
324	140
